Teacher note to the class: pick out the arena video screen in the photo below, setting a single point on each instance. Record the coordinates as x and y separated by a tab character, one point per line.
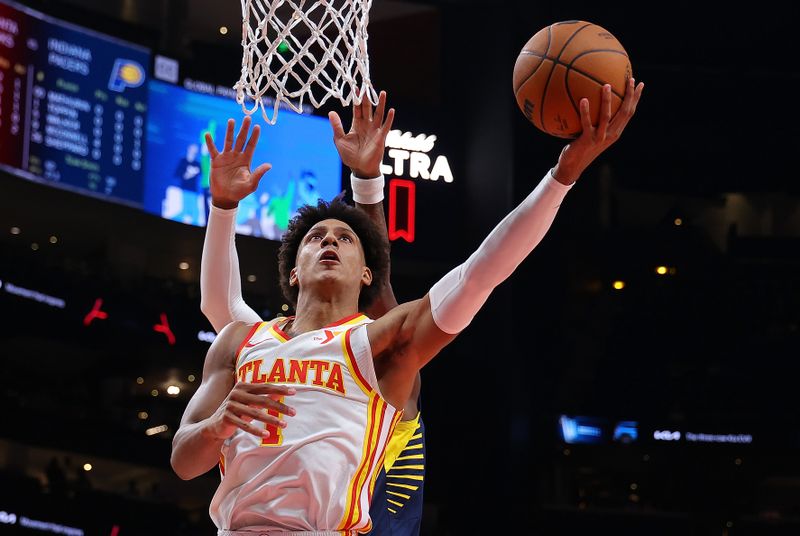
305	164
73	105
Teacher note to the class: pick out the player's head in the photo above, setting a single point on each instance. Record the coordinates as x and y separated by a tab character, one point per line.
362	254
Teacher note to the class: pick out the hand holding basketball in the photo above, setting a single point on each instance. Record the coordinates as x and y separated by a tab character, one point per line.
577	156
562	64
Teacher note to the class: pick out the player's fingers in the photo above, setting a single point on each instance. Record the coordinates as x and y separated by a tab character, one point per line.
265	388
252	143
255	178
212	149
248	413
366	106
586	121
357	112
628	106
637	94
605	112
261	402
246	426
336	125
387	125
280	407
242	136
378	117
229	135
629	103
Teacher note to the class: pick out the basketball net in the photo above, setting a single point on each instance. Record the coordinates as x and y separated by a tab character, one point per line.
297	49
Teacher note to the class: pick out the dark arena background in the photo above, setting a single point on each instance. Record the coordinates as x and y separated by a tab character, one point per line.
636	375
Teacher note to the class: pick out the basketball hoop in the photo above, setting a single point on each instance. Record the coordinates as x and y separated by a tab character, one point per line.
298	49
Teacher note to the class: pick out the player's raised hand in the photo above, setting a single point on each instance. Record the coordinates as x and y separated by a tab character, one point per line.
231	179
248	402
361	149
577	156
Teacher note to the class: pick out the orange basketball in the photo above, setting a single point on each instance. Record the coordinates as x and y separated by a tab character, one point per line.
560	65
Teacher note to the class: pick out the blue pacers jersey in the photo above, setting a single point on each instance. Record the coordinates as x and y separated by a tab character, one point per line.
396	508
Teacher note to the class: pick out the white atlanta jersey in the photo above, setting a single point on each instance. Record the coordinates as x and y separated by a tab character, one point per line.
318	473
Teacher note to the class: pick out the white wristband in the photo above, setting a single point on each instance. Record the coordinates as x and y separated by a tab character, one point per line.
367	191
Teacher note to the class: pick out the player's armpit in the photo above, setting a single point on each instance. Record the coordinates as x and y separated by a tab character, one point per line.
408	329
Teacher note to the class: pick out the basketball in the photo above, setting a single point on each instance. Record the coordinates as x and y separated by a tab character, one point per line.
560	65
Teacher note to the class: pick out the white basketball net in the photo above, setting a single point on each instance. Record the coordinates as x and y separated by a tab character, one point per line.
292	48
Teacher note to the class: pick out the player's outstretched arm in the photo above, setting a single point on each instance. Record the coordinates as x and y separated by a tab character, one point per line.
231	181
221	406
410	335
361	149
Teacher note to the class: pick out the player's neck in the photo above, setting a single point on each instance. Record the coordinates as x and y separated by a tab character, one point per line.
313	313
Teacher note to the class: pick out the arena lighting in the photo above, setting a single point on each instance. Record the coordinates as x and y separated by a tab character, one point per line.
41	526
251	278
666	435
154	392
404	146
7	518
580	430
87	467
163	327
35	296
741	439
140	380
402	209
661	270
191	377
143	415
184	266
619	285
53	239
206	336
223	30
95	313
15	230
284	307
35	246
678	222
156	430
173	390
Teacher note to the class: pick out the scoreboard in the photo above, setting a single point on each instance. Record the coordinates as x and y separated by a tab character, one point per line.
73	105
75	112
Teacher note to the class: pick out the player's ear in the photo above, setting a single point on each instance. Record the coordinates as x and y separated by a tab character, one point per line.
293	277
366	276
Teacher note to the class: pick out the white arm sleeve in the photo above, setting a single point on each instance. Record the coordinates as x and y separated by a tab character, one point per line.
220	283
457	297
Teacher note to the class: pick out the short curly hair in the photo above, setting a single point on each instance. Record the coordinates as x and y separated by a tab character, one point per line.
374	244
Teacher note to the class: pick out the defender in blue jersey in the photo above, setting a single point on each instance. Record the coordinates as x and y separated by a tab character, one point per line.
397	501
396	507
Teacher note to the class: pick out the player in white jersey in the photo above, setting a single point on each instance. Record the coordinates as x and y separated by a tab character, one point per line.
397	504
314	474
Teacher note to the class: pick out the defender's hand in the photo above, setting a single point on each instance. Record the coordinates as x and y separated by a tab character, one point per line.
231	179
362	148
